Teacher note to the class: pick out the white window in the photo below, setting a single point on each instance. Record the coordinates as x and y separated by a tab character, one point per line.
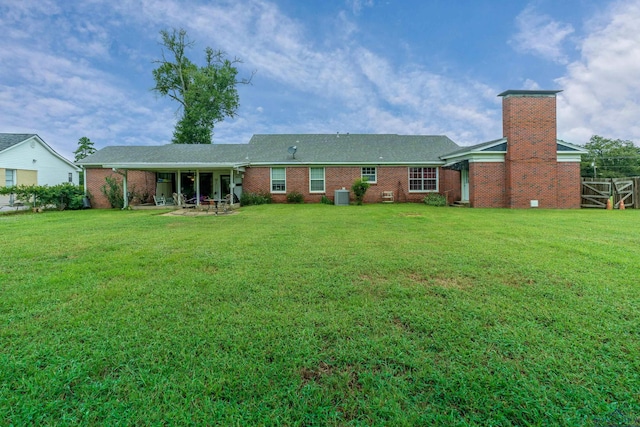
316	180
71	177
370	175
423	179
10	177
278	180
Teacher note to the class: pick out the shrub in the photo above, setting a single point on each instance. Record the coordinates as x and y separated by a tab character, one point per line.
61	196
295	197
248	199
435	199
359	188
113	192
325	200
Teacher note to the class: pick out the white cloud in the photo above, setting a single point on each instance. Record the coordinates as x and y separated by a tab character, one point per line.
601	92
540	35
356	6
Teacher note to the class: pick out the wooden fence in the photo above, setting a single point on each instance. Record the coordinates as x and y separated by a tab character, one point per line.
596	192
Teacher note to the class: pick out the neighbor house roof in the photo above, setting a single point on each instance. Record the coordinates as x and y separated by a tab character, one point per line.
275	149
349	148
8	140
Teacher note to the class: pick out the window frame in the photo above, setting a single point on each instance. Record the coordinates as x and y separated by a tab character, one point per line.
422	180
278	179
365	175
311	180
13	177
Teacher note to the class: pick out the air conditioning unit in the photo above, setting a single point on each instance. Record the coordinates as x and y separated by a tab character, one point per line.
341	198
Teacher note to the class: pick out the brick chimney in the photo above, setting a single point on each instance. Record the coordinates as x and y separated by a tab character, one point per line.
529	125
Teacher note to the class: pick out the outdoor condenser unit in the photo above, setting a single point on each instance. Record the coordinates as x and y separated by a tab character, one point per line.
341	198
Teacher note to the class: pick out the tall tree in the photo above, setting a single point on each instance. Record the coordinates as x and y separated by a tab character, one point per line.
610	158
206	94
85	148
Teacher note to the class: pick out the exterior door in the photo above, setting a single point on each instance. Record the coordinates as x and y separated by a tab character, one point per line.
225	185
464	176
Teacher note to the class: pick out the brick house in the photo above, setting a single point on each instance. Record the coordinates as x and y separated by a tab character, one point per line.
528	167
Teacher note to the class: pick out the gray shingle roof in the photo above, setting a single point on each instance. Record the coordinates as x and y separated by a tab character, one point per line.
10	139
273	149
169	154
349	148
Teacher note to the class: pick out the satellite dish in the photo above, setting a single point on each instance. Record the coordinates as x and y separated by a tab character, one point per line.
292	151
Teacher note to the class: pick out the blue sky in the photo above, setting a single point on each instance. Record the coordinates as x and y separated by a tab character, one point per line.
83	68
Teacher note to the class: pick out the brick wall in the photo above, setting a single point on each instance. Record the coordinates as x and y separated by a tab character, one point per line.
389	178
569	185
529	124
140	182
487	185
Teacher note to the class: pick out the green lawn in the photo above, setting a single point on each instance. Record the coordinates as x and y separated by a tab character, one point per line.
321	315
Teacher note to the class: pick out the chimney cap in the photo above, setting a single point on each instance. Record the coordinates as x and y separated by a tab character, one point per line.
512	92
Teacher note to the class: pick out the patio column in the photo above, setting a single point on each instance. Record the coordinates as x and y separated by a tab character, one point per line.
179	184
197	187
232	186
124	190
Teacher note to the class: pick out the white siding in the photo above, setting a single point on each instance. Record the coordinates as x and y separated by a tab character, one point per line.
52	170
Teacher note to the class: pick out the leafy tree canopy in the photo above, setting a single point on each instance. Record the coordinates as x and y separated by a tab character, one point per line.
610	158
85	148
205	94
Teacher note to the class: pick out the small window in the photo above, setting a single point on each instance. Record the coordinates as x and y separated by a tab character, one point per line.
10	177
370	175
278	180
423	179
316	180
71	177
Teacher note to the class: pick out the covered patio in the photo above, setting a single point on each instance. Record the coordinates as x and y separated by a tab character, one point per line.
196	174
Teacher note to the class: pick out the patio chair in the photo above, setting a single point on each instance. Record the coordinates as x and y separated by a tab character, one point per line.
159	200
223	205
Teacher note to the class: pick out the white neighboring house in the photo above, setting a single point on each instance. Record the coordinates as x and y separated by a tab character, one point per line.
25	159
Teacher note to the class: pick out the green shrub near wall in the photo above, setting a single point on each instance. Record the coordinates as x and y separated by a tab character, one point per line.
435	199
248	199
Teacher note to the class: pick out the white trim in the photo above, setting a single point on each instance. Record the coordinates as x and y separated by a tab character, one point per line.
488	158
430	163
569	156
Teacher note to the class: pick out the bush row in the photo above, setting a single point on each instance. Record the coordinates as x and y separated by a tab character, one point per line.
61	196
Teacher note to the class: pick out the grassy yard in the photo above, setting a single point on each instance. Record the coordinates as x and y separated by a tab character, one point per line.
321	315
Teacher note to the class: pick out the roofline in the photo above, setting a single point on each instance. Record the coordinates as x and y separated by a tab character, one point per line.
164	165
430	162
516	92
47	147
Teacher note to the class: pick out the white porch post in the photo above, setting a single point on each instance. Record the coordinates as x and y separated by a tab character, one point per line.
197	187
124	190
232	186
